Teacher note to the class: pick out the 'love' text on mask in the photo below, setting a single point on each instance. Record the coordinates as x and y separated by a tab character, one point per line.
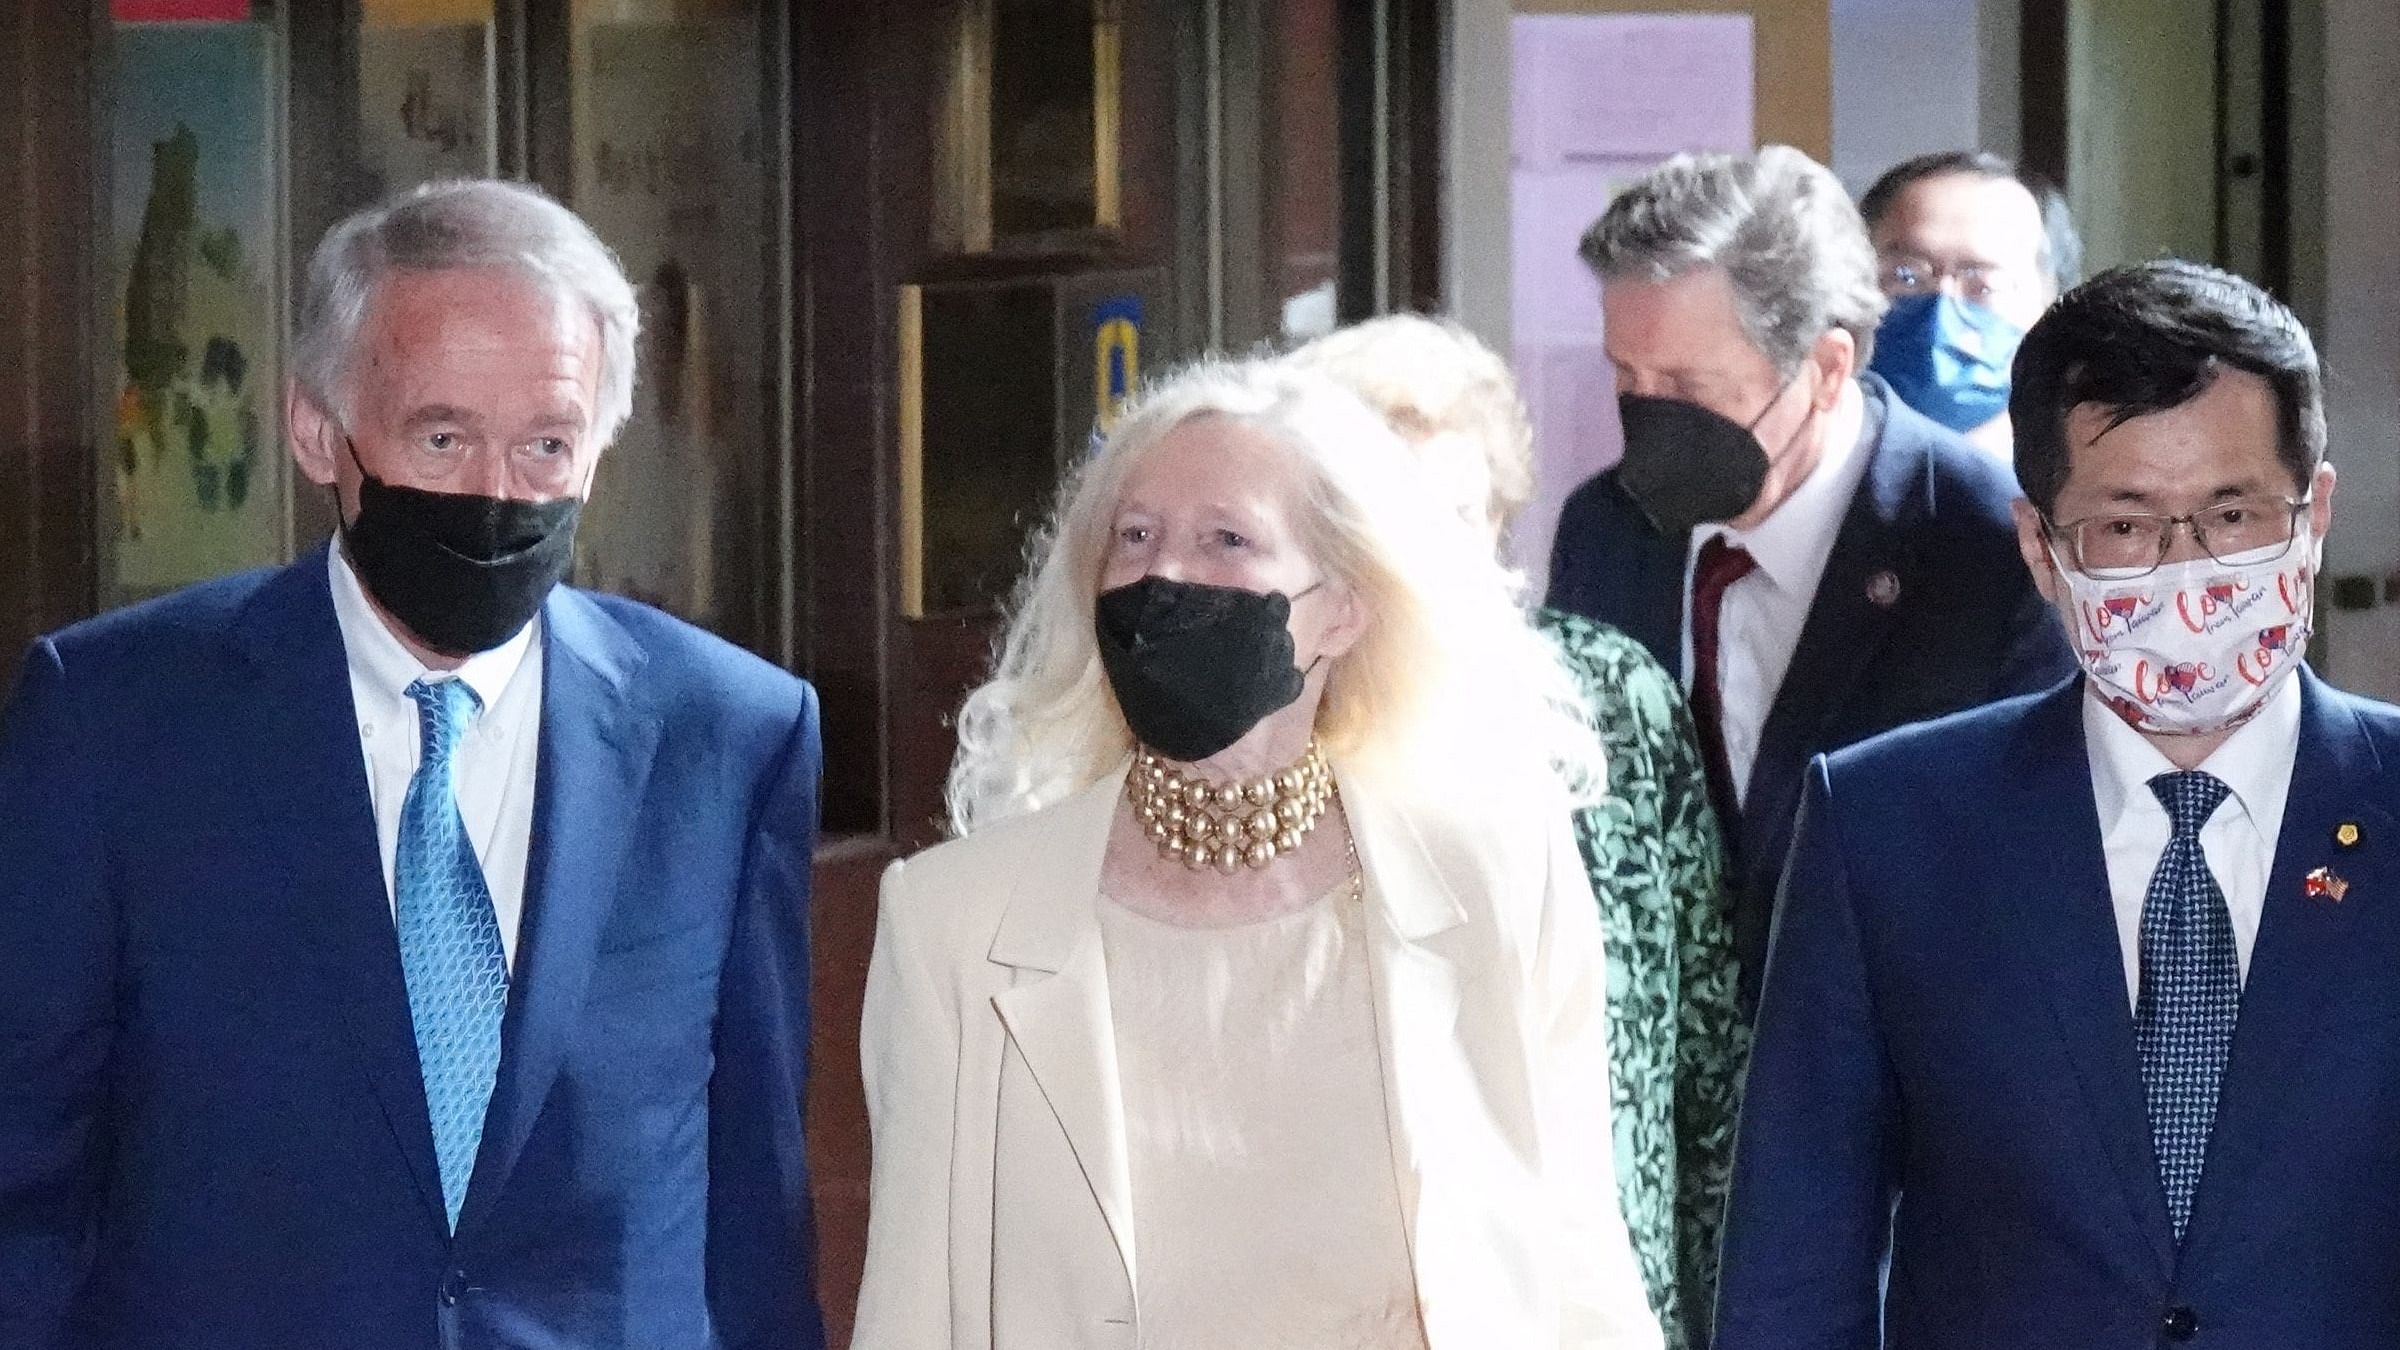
2195	647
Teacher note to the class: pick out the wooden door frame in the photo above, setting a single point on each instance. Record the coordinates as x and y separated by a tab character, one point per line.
49	143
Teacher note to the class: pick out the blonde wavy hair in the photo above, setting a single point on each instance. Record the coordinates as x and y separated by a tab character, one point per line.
1448	690
1451	398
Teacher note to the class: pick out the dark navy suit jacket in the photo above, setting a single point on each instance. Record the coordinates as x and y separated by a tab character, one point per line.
213	1130
1963	624
1946	1059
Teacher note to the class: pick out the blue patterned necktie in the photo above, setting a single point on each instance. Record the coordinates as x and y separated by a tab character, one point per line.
449	942
2191	992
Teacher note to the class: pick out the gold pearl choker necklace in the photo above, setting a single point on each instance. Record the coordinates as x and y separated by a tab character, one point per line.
1225	826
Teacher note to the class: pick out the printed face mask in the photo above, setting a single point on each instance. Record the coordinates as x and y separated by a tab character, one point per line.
2195	647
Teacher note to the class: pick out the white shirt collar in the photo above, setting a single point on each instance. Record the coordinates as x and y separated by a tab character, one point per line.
2255	761
378	661
1792	544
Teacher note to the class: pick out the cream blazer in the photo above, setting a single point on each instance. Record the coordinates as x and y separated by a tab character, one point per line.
1001	1213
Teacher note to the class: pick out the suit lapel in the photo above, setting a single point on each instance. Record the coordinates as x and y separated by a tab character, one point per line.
2050	832
1624	572
2301	952
1845	628
319	828
1654	577
1058	1016
1417	993
596	748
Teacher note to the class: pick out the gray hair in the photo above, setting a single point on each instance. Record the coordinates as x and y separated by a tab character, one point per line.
1777	223
463	222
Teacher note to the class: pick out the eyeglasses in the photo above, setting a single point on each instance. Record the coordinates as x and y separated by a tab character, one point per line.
2242	530
1902	276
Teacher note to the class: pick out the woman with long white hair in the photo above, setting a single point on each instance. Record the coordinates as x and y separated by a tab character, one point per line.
1259	1001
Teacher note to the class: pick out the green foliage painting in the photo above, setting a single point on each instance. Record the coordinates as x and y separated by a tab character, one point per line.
195	469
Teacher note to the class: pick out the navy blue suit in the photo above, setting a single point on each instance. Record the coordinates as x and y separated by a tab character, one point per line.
213	1130
1925	608
1946	1059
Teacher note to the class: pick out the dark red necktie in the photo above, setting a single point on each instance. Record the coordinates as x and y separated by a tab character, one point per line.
1719	566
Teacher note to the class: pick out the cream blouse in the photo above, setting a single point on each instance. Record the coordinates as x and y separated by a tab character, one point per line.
1266	1203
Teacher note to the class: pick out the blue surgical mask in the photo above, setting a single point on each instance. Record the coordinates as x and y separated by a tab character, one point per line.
1947	358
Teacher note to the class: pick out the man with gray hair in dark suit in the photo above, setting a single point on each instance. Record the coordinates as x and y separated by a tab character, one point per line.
401	949
1820	562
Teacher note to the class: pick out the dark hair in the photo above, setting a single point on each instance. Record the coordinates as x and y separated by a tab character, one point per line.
2150	337
2061	250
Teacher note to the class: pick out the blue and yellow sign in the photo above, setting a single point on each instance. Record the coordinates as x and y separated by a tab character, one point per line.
1116	357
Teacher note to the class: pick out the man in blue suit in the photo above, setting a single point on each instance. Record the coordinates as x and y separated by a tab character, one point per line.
2083	1006
399	950
1820	561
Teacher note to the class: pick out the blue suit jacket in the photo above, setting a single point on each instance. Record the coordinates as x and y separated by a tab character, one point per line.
1945	1058
213	1131
1966	626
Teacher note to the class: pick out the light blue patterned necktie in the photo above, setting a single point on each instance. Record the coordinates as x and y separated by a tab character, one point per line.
449	942
2191	992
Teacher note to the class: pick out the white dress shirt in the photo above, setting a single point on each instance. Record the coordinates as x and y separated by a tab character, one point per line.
2238	840
1758	627
495	757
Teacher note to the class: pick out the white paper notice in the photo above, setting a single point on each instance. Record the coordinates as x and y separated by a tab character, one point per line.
1633	86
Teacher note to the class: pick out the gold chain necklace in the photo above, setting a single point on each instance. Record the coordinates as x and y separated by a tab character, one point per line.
1204	824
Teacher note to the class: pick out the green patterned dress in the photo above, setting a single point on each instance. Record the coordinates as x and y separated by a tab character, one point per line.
1676	1040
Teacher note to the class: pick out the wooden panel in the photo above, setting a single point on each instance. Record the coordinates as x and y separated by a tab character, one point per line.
859	183
2042	94
1316	154
48	555
323	182
867	83
843	936
1417	167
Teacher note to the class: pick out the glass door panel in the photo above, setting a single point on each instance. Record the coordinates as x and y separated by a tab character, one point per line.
427	102
677	147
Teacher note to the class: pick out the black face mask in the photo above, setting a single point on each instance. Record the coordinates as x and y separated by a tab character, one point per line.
1196	667
463	572
1685	465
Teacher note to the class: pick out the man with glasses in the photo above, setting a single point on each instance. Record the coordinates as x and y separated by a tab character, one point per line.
1970	251
2082	1009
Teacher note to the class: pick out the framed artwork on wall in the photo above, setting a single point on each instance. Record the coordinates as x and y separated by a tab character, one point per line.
1028	136
192	471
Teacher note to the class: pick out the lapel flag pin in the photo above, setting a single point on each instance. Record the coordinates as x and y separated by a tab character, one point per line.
2346	834
1883	589
2326	884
